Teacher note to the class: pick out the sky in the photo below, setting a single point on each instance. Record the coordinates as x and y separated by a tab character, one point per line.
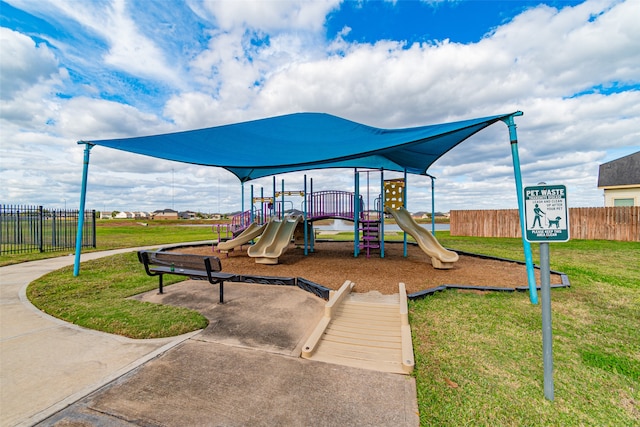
74	70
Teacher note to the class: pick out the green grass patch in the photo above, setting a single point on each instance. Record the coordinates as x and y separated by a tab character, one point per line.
612	363
97	299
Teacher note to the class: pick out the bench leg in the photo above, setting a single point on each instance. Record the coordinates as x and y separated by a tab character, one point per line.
160	284
221	292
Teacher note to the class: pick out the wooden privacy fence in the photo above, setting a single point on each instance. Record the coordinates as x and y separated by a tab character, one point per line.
611	223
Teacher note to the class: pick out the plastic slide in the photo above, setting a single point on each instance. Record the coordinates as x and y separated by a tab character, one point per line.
248	234
274	240
441	258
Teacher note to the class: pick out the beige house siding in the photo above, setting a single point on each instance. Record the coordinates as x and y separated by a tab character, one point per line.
630	192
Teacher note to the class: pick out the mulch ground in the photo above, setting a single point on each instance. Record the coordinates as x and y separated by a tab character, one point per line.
332	263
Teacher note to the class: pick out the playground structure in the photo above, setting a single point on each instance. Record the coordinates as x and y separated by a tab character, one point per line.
275	220
294	141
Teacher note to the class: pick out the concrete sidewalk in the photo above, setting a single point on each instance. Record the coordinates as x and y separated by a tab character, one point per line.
243	369
45	363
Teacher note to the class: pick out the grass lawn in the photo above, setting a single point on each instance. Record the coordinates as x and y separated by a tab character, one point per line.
478	355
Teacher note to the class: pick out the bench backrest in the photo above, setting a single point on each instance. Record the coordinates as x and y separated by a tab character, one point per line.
180	261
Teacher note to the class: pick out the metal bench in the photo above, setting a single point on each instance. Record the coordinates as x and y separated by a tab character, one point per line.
196	267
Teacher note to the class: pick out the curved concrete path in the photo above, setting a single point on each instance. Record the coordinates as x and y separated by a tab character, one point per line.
45	363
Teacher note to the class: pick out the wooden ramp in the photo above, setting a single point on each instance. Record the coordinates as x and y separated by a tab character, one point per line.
369	331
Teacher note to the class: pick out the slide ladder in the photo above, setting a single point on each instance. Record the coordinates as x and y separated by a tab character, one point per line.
370	235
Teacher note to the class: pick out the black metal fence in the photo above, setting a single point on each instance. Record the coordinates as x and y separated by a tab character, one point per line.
36	229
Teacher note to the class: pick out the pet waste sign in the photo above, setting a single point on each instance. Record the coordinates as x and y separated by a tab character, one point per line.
546	214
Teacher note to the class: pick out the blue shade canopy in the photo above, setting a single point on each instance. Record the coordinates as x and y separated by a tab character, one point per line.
305	141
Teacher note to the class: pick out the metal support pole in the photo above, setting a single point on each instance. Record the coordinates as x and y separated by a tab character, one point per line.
252	215
282	217
433	206
404	203
313	241
356	213
273	204
513	137
304	208
264	211
83	198
242	208
547	335
381	214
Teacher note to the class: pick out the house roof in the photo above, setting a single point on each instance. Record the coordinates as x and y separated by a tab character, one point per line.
305	141
619	172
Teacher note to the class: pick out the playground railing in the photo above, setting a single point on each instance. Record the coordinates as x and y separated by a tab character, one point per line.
332	204
242	220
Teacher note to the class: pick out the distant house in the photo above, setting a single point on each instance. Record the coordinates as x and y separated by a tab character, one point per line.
124	215
165	214
187	215
427	215
620	180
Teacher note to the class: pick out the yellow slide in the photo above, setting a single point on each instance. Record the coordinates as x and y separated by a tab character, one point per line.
274	240
248	234
441	258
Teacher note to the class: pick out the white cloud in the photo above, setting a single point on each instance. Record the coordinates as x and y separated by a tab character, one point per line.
24	63
128	49
84	118
271	15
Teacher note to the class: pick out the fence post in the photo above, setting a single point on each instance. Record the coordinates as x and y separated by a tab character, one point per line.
41	228
93	214
54	229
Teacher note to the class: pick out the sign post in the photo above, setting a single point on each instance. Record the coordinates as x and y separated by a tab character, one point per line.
547	220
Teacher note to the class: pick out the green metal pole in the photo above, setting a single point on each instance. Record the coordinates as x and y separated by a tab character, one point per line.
547	335
83	198
513	137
